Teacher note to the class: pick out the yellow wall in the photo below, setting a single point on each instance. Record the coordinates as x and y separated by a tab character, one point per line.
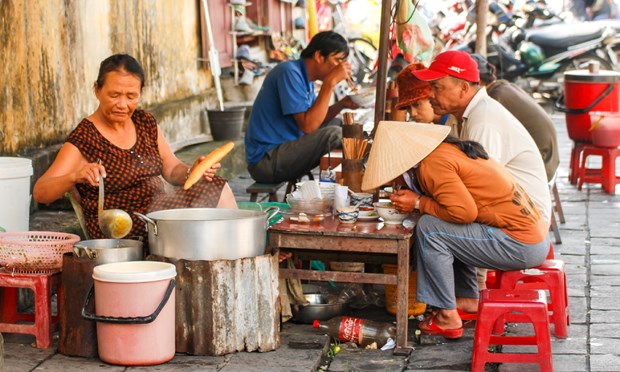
50	53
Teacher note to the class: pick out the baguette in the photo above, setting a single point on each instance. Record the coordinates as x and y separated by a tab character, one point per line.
214	156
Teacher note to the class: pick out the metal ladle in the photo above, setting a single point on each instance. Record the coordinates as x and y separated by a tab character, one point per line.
114	223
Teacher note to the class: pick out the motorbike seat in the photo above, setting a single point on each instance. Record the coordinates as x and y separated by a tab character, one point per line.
563	36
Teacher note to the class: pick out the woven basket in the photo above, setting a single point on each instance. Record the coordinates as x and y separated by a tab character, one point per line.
413	307
35	251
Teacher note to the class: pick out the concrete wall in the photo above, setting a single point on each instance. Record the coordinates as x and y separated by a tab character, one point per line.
50	53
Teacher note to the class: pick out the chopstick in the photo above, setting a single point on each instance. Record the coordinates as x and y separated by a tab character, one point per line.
354	148
351	84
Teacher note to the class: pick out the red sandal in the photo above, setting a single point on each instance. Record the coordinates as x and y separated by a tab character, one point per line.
432	328
467	316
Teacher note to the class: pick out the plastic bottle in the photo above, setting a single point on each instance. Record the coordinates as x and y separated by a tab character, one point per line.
361	331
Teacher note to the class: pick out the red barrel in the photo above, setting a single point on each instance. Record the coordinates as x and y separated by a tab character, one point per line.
586	91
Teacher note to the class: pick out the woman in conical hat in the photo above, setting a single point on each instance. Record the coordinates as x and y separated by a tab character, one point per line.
474	214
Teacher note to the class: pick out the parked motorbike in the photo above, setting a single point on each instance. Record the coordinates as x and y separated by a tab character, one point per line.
536	58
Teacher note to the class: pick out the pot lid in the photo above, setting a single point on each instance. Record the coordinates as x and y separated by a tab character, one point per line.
602	76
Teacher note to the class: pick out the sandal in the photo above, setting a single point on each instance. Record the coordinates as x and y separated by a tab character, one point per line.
467	316
432	328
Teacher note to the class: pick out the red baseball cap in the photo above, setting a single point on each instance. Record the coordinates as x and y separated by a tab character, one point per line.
455	63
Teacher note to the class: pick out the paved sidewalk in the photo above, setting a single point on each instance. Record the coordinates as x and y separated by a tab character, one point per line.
591	250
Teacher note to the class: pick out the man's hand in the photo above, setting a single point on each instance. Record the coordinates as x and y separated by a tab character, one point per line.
347	102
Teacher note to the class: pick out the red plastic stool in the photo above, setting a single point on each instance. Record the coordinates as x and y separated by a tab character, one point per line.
42	322
575	161
551	276
493	276
606	175
522	306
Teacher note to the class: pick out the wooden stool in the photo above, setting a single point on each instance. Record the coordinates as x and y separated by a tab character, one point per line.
551	276
575	161
606	176
556	208
521	306
42	321
264	188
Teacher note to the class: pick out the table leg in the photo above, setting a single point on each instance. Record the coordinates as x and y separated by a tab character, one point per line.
402	293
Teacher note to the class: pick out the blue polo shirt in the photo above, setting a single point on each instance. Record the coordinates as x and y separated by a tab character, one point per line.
286	91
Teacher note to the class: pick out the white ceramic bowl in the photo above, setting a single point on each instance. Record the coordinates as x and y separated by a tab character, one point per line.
389	214
364	97
348	214
361	199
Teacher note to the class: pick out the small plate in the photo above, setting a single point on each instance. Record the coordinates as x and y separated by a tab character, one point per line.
371	217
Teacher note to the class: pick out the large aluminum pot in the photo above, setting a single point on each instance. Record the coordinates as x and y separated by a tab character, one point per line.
207	233
104	251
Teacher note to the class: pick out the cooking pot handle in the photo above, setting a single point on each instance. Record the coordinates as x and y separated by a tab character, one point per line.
559	103
148	222
271	212
126	320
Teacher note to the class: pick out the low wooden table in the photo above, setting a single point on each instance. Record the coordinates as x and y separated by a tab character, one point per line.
368	242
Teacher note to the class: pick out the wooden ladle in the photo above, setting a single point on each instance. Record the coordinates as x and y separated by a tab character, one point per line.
114	223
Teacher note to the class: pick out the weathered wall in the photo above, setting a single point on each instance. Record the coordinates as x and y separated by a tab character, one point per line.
50	53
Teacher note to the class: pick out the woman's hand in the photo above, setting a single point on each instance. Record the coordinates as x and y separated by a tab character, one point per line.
90	174
404	200
210	173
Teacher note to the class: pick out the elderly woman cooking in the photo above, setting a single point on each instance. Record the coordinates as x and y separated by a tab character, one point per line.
124	146
474	214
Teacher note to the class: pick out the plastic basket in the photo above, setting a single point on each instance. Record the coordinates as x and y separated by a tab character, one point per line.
413	307
35	251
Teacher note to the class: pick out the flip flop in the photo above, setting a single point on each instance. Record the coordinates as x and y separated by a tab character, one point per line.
467	316
434	329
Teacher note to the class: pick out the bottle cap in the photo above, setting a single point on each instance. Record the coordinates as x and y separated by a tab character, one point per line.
316	324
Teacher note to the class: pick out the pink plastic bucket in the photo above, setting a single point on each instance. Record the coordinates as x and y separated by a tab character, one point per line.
135	316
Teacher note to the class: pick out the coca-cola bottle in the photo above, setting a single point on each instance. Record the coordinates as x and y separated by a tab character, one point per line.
361	331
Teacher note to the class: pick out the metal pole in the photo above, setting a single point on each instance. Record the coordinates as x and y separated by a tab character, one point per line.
384	41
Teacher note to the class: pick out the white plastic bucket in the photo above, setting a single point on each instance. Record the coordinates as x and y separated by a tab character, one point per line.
15	176
127	296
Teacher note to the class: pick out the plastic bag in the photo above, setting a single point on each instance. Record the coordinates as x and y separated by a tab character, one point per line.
413	34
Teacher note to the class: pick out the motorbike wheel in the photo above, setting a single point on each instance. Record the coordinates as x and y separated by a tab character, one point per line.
363	57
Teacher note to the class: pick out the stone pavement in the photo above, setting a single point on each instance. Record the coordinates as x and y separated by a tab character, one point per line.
591	250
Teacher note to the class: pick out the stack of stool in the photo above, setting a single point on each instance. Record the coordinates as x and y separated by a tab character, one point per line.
42	322
551	276
522	306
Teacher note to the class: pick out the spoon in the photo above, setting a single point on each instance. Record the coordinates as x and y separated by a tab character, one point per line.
114	223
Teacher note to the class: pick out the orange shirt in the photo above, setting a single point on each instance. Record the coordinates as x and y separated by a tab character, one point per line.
464	190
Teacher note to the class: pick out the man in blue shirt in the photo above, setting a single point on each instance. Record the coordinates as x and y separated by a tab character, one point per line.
289	128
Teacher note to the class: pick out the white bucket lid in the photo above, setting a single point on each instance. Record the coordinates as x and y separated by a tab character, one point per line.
15	167
134	272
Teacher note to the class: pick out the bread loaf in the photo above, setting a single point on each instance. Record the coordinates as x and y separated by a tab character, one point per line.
214	156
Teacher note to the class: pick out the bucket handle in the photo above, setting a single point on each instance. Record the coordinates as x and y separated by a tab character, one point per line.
126	320
271	212
147	221
559	103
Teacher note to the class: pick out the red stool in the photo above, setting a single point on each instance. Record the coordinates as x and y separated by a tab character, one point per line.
606	176
550	276
522	306
575	161
493	276
42	321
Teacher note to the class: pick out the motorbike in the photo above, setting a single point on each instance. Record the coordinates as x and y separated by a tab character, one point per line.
536	58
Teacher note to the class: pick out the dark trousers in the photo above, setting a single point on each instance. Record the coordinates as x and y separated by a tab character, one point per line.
293	159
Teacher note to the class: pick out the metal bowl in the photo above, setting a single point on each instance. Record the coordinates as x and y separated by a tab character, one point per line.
318	309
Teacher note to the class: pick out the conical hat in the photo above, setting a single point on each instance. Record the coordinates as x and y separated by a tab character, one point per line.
397	147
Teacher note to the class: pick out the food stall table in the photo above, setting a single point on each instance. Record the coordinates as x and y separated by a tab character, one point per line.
369	242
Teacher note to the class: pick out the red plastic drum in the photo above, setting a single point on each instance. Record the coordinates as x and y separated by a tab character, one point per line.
586	91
